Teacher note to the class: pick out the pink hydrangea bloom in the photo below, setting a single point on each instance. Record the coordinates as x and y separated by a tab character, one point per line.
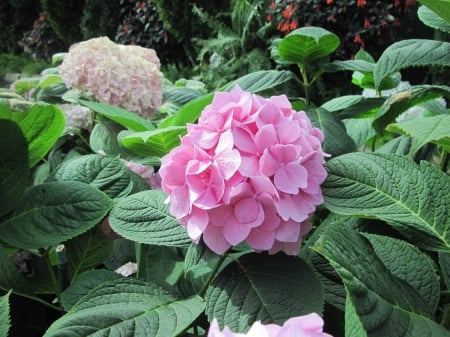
77	116
303	326
147	172
250	170
125	76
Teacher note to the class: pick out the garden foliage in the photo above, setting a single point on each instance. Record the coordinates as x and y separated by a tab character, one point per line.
375	260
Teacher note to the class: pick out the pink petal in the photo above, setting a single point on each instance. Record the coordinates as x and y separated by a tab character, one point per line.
228	162
179	202
196	223
215	240
260	240
249	212
289	178
288	231
234	232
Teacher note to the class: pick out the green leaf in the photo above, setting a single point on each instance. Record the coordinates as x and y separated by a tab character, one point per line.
88	250
13	165
444	264
103	137
24	85
432	19
384	304
333	129
307	44
128	307
353	325
360	130
353	65
42	126
249	289
144	217
425	130
5	318
440	7
405	99
411	53
121	116
412	198
409	264
84	283
52	213
10	277
354	106
158	142
259	81
106	173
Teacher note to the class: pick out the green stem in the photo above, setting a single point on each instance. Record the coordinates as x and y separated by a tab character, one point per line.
212	275
444	161
445	322
305	82
445	292
56	284
39	300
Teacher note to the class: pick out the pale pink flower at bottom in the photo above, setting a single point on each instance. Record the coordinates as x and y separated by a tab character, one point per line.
310	325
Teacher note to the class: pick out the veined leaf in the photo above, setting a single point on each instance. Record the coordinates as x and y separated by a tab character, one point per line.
248	290
405	99
84	283
5	319
444	264
307	44
158	142
409	264
144	217
52	213
42	126
353	65
411	53
412	198
360	130
434	129
106	173
121	116
333	129
128	307
354	106
383	304
440	7
432	19
353	325
261	80
88	250
13	165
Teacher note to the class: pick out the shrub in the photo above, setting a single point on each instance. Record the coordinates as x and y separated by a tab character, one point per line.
371	25
15	18
41	42
65	18
100	18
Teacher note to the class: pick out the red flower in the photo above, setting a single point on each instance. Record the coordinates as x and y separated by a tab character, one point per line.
283	26
397	3
329	2
272	5
287	13
357	38
143	5
366	23
125	28
269	17
293	25
361	3
410	2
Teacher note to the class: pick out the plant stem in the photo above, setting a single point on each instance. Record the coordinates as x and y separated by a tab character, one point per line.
53	277
444	161
39	300
212	275
305	82
445	322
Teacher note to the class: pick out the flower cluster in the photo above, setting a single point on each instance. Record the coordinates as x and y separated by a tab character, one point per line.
250	170
126	76
77	116
147	172
304	326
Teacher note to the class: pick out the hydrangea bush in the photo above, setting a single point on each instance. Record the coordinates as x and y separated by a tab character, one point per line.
190	223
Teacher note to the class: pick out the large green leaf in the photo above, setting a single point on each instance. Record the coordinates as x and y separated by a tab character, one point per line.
51	213
384	304
411	53
158	142
261	80
5	319
440	7
106	173
332	129
413	198
88	250
269	288
409	264
353	325
128	308
405	99
307	44
144	217
433	20
354	106
42	126
13	165
84	283
103	137
434	129
121	116
360	130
